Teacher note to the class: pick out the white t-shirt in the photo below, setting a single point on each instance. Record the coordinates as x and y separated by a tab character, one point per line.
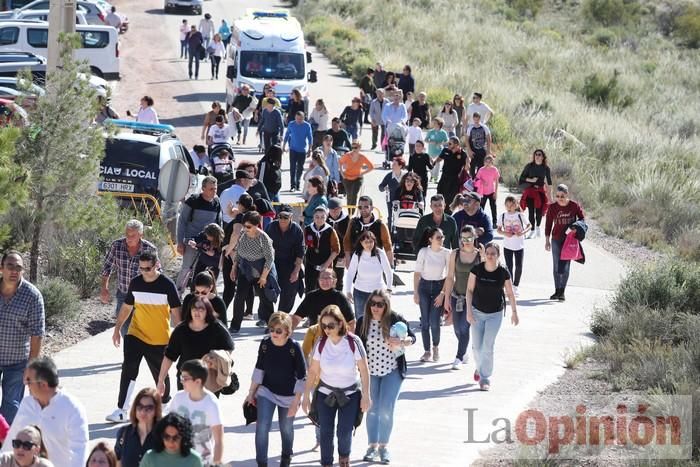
219	49
483	109
367	273
204	414
147	115
339	363
220	134
513	223
230	196
414	134
432	265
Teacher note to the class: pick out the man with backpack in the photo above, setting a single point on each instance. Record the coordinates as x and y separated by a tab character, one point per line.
197	212
367	221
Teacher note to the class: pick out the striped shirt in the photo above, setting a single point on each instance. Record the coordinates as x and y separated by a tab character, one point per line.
152	302
126	265
255	248
21	317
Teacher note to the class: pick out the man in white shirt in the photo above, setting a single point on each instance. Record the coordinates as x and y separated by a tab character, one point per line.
220	132
113	19
229	197
206	28
200	157
60	417
479	107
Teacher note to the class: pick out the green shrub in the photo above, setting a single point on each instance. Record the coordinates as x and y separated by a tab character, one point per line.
61	301
527	8
598	90
604	37
437	97
688	27
611	12
501	132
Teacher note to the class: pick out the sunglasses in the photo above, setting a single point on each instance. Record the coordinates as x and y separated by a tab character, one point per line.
467	239
148	269
145	408
277	331
378	304
329	326
173	438
26	445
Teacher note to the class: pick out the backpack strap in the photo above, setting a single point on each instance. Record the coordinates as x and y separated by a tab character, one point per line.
322	343
348	336
351	341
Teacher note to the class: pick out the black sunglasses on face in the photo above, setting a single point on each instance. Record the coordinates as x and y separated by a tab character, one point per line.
329	326
378	304
26	445
173	438
277	331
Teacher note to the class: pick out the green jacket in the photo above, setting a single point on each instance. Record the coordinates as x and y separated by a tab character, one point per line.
448	227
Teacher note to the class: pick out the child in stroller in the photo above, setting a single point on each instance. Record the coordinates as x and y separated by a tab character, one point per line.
395	143
407	209
223	162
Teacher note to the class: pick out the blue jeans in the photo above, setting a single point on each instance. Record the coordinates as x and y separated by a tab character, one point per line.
359	299
266	410
429	313
384	391
560	269
346	422
194	56
483	339
121	296
296	166
183	49
461	327
12	389
352	131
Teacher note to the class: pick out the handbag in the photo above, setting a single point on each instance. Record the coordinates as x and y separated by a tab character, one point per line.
571	249
202	52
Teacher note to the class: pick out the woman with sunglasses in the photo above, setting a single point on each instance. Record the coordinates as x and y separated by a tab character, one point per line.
102	455
136	438
28	450
429	288
461	263
458	106
204	285
387	369
449	117
410	192
198	334
277	384
173	444
560	216
536	182
337	359
369	269
486	305
253	262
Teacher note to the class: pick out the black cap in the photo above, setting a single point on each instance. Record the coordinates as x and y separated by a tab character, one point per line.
334	203
243	174
250	412
285	208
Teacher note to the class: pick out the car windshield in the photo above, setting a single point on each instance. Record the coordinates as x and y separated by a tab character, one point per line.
272	65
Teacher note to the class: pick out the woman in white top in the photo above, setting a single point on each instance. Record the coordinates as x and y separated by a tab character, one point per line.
317	167
337	359
429	288
320	122
184	29
217	51
369	269
146	114
449	116
28	450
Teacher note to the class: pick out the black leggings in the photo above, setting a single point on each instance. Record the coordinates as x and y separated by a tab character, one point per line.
243	292
534	214
492	202
215	61
518	264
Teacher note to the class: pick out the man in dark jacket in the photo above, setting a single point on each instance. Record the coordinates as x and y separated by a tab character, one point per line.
472	214
194	42
288	242
406	82
271	123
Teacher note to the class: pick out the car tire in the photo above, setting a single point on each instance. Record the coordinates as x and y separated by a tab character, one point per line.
167	9
97	72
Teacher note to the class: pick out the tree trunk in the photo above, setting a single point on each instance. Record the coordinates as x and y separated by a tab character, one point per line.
37	227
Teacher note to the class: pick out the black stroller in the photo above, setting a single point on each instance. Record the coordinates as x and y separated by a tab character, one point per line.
223	172
396	143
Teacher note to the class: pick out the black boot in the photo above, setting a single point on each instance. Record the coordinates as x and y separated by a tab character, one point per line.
262	464
561	297
555	295
285	461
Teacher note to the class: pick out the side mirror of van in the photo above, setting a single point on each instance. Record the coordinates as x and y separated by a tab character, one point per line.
308	57
311	78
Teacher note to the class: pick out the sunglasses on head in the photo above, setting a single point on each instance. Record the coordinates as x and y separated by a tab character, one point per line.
329	326
26	445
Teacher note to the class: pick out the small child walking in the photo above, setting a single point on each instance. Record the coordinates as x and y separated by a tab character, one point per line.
513	225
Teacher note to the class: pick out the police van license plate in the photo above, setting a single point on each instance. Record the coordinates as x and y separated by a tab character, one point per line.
113	186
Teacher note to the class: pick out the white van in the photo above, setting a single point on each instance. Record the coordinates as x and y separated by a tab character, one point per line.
100	44
268	46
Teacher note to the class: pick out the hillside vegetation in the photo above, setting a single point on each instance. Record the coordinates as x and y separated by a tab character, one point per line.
609	88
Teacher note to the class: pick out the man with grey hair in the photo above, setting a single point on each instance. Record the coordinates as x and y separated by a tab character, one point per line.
123	258
375	116
197	212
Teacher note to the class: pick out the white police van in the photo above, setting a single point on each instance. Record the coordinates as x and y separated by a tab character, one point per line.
268	47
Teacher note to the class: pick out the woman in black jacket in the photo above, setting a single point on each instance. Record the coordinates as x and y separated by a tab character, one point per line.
270	171
384	334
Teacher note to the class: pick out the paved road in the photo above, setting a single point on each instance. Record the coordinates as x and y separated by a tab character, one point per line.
431	423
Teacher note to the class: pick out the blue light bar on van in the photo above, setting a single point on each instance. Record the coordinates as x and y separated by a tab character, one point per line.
270	14
155	128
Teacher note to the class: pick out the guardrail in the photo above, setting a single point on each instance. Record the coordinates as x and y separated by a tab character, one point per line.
146	204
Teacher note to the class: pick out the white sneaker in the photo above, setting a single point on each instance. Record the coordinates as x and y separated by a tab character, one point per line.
456	364
118	416
516	291
538	232
465	359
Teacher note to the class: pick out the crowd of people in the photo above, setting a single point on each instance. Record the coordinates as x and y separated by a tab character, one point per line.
337	255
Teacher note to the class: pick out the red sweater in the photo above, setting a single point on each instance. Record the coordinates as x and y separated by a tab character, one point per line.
560	217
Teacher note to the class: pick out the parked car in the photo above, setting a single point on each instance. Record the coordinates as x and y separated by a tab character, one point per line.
192	5
99	45
95	13
43	15
11	63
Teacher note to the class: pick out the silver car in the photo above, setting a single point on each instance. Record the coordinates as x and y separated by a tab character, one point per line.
94	13
193	5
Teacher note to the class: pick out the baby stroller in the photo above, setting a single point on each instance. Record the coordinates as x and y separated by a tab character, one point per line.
405	217
223	173
395	143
